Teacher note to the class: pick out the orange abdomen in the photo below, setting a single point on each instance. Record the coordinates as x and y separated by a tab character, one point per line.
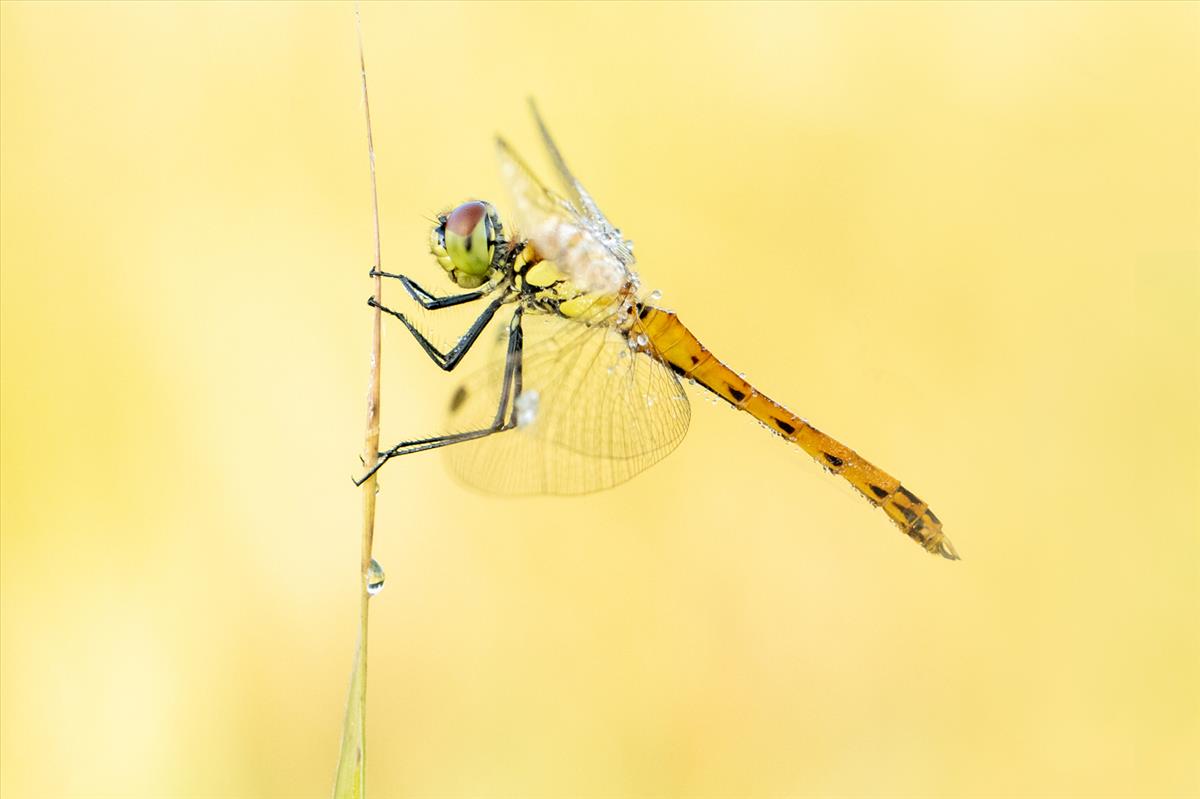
672	343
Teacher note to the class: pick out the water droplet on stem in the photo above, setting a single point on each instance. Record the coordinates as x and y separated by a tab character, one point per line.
375	578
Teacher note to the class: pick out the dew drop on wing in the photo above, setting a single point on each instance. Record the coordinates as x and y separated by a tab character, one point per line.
375	578
654	296
527	407
642	340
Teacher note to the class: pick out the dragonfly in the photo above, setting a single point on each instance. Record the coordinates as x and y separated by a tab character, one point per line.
585	387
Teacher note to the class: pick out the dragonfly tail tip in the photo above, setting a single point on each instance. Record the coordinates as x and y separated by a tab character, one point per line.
947	551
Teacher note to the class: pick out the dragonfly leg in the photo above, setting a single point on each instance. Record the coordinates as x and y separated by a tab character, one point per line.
428	301
447	360
506	414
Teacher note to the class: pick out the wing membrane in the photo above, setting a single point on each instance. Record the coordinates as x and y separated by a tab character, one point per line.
601	227
604	413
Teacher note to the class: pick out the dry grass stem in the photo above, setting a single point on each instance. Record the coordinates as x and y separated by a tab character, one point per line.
351	771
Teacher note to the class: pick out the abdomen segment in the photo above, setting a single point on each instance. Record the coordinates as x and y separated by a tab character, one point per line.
675	345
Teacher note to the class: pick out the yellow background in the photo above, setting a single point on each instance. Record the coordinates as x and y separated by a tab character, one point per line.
961	238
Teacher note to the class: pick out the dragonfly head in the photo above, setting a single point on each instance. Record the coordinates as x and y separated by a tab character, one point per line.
468	243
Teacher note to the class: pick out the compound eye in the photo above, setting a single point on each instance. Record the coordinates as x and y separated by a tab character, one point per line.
469	239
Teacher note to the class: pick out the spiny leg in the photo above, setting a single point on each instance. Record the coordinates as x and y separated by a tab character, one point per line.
514	371
428	301
447	360
506	414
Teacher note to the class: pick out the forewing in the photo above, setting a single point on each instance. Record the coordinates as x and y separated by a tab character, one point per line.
608	235
604	412
534	203
531	198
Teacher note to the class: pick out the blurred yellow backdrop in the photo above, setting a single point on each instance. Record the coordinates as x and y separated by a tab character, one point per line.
994	216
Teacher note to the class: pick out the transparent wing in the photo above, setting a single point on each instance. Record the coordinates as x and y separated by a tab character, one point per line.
558	232
603	413
541	209
530	195
601	227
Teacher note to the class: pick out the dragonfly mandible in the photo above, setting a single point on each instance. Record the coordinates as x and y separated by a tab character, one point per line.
585	389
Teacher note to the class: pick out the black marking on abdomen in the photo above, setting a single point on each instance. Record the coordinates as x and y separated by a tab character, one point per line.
834	460
738	396
879	492
932	516
784	426
909	515
643	311
911	496
914	532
